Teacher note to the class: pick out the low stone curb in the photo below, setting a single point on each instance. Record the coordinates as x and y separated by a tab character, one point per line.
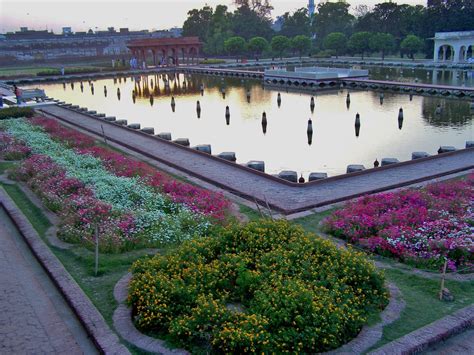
430	334
125	327
106	341
369	336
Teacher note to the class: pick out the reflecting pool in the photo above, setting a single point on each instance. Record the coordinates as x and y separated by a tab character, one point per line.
284	143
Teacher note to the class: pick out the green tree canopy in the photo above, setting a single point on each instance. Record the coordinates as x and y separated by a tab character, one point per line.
412	44
359	42
257	45
235	45
198	23
296	24
280	44
247	23
336	41
332	17
382	42
262	8
301	43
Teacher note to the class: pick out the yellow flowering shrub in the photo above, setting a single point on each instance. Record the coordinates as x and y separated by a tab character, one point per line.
264	287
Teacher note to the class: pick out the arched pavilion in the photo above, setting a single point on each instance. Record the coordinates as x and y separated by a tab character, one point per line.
454	47
166	50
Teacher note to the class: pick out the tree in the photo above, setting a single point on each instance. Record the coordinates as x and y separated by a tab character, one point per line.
219	31
332	17
301	43
262	8
412	44
280	44
359	42
336	41
198	23
257	45
235	45
215	42
296	24
247	23
382	42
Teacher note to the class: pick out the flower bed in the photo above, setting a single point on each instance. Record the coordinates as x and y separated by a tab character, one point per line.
421	227
12	149
156	219
264	287
198	200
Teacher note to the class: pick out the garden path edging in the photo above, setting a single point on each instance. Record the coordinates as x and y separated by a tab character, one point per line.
370	335
367	337
430	334
94	324
124	326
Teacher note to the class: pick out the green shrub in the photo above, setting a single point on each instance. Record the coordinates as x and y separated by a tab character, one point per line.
327	53
264	287
15	112
212	61
67	71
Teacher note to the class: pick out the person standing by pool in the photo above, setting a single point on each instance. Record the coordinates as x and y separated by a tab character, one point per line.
17	92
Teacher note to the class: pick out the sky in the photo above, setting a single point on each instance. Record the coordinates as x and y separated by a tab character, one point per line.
134	14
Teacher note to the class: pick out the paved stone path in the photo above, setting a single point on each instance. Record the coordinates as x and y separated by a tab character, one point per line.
286	198
462	344
34	318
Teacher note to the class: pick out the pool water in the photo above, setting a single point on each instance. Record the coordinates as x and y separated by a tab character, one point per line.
284	145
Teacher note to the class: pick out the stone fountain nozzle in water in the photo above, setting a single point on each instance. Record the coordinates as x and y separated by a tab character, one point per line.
264	122
311	105
227	115
400	118
198	109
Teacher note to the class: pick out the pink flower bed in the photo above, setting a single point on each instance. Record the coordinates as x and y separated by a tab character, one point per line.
422	227
11	148
199	200
79	211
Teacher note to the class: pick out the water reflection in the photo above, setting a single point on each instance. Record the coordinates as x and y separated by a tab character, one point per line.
332	143
439	112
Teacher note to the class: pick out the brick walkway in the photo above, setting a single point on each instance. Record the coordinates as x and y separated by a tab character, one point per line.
34	319
283	197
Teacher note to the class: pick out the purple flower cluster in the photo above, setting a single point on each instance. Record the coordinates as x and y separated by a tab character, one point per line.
11	148
424	227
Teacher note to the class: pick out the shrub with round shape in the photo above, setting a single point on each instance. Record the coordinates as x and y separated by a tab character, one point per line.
264	287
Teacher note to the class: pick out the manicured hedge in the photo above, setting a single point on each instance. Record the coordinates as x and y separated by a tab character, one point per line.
78	70
266	287
212	61
15	112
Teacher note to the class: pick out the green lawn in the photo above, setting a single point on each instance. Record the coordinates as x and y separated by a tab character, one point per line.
422	304
21	71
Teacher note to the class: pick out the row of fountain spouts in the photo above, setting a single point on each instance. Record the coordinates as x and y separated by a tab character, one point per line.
264	120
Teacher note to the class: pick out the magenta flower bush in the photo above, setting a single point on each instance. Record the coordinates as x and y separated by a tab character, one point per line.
421	227
79	211
196	199
11	148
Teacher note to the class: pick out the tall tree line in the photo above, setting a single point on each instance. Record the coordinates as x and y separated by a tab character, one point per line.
333	25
